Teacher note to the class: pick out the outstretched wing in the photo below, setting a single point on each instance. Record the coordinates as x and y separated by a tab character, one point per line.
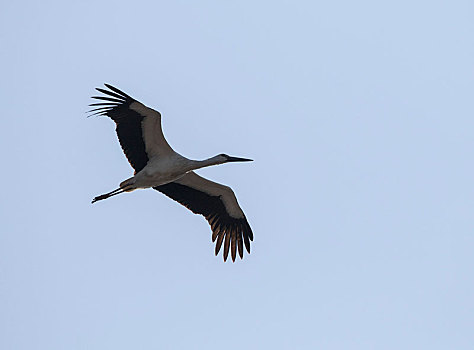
218	204
138	127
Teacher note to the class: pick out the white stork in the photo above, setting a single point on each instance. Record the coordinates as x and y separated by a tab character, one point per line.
158	166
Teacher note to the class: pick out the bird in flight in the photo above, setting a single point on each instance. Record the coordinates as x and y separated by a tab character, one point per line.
158	166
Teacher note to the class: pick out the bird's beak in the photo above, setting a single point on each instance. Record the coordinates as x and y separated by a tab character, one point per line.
236	159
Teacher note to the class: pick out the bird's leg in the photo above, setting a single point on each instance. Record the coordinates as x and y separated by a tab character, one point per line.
107	195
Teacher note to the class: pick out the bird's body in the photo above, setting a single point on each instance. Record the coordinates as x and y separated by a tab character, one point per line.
159	171
158	166
166	169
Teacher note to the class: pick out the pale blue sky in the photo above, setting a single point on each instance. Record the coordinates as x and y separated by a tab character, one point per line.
359	116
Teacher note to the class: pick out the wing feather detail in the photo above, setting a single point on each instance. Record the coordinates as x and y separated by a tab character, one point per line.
216	203
138	127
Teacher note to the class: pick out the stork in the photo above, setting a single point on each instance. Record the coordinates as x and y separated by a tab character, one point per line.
158	166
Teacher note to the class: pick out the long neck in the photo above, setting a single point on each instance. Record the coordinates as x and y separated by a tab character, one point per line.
197	164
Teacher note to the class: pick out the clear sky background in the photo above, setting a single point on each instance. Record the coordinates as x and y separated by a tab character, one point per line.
359	116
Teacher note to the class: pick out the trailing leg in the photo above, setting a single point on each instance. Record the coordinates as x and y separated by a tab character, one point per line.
125	186
107	195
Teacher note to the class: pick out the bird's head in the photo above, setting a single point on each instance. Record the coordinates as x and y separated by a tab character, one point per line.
226	158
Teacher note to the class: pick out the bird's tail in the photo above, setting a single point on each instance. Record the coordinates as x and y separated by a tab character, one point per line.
128	185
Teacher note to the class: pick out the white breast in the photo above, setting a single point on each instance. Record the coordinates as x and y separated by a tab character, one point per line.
162	170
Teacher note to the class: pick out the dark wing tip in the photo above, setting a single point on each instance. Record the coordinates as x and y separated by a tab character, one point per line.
119	92
226	245
220	239
113	94
105	98
115	104
239	242
233	236
114	98
233	245
230	232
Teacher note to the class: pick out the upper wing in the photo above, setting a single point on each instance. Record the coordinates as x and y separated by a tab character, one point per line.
217	203
138	127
